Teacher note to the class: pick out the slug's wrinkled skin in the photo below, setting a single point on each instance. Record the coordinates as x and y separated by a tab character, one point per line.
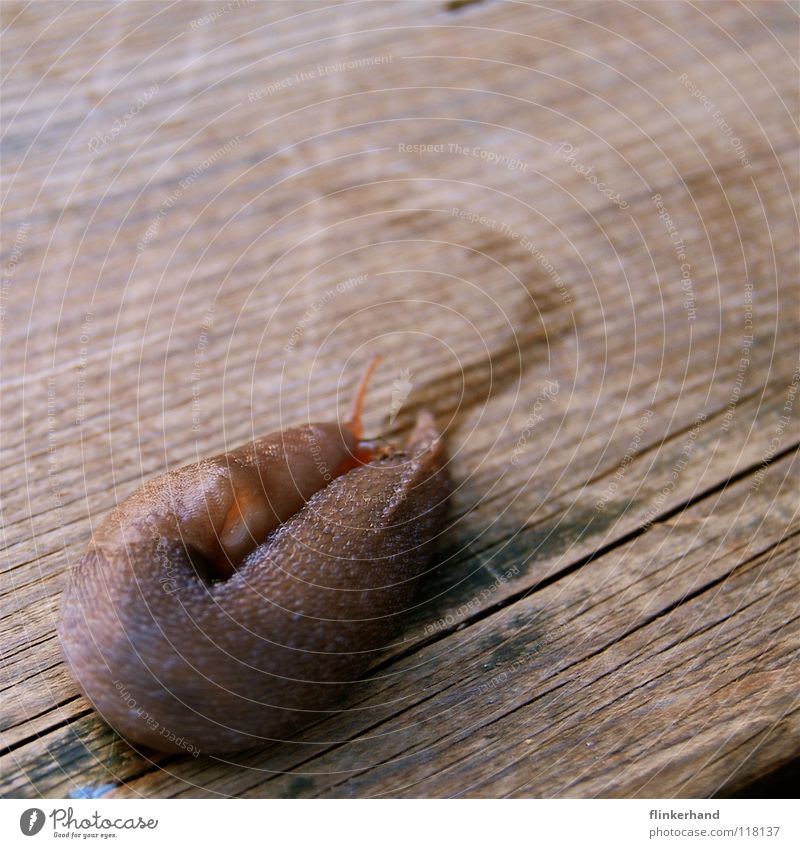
225	604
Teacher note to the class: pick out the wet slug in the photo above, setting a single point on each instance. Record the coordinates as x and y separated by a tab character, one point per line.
228	602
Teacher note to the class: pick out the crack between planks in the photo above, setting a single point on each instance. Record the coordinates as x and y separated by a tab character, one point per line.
53	707
35	674
698	632
27	646
594	712
710	694
748	563
624	539
687	598
667	439
9	749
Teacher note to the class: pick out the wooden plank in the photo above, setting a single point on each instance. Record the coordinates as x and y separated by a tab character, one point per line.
309	187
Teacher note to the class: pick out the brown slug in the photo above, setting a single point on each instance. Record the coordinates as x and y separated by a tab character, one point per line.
227	603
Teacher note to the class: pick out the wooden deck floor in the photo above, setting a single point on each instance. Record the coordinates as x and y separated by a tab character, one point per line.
592	276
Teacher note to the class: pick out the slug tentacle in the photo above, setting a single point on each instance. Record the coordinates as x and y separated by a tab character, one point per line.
227	602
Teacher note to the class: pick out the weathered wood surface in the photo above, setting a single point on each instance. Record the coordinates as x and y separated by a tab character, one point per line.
615	612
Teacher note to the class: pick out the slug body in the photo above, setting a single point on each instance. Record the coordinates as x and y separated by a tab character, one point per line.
229	602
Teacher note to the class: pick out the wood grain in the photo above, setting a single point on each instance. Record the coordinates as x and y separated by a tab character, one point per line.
614	609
